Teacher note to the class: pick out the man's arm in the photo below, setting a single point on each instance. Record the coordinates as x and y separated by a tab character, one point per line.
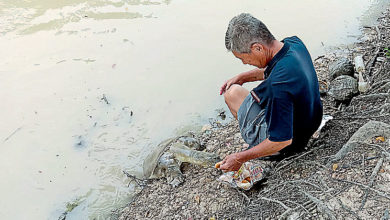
234	161
265	148
252	75
249	76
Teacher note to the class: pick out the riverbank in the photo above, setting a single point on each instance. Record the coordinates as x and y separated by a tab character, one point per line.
313	184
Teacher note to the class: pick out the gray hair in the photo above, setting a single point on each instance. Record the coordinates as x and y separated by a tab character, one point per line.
245	30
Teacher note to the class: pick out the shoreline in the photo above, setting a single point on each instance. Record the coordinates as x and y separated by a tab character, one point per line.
300	181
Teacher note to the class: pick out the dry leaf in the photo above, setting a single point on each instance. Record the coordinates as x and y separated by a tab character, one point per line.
382	170
335	166
380	139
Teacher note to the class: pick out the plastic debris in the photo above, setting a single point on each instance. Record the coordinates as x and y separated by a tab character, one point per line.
245	177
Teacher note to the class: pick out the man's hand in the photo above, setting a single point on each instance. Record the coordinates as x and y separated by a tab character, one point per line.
234	161
231	163
249	76
228	83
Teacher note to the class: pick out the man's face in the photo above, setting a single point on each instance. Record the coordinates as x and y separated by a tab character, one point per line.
257	56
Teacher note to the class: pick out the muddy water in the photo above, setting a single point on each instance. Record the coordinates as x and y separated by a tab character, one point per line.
89	87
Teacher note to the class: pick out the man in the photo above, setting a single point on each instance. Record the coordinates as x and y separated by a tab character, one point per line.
279	116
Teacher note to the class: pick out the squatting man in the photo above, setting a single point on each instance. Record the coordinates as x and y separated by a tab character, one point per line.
278	117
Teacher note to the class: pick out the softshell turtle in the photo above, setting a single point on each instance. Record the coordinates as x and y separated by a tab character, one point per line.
165	159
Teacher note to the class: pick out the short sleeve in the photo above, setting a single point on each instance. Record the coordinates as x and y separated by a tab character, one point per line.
280	127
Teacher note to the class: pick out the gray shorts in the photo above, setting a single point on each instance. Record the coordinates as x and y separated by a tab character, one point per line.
251	119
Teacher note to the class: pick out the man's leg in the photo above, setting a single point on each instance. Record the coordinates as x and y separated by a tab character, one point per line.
234	97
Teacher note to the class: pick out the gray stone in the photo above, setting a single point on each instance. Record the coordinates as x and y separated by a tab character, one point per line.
343	88
339	67
210	148
165	211
365	134
214	207
206	128
293	216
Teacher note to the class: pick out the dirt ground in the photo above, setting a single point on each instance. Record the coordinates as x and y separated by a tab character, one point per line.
305	186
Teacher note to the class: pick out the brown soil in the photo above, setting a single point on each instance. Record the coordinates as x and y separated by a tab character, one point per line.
304	186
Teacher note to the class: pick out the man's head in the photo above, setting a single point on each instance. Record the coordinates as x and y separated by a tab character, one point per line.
249	40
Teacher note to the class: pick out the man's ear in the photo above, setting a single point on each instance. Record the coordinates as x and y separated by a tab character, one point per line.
257	47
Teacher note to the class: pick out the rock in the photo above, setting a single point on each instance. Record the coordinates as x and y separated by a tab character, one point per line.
165	211
294	216
343	88
214	207
385	215
202	208
364	134
206	127
210	148
339	67
237	135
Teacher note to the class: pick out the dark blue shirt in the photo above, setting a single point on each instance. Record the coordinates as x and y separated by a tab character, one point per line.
290	95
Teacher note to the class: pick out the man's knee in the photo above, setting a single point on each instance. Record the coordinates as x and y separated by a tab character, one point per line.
232	92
